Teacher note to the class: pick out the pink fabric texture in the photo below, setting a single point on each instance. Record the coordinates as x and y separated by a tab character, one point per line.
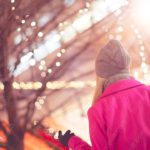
120	120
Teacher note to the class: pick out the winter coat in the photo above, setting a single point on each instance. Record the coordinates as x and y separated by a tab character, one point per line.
120	120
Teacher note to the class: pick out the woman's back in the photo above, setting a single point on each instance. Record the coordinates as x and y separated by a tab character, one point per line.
123	113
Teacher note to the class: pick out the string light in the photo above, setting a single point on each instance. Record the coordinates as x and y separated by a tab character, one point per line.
12	8
85	10
145	70
58	64
141	54
65	23
23	21
12	1
19	29
50	85
136	74
49	70
32	62
41	101
16	85
38	106
61	24
59	54
1	86
142	48
33	23
36	85
40	34
63	50
51	130
42	62
62	33
144	66
87	4
81	11
35	122
120	29
41	67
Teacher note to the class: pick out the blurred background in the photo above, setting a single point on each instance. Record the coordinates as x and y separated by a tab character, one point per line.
47	54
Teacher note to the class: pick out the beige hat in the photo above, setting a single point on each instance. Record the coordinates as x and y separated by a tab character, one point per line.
111	60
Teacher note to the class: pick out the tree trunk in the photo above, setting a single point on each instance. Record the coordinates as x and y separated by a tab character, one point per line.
15	141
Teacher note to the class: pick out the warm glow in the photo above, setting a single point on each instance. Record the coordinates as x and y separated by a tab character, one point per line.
23	21
142	11
40	34
18	29
13	8
59	54
54	84
42	62
32	62
63	50
1	86
33	23
12	1
49	70
67	30
58	64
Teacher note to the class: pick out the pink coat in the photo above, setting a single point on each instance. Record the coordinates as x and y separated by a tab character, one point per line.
120	120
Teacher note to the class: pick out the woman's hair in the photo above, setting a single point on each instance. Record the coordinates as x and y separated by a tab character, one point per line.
99	89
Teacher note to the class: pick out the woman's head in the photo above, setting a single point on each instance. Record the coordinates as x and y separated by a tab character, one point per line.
111	60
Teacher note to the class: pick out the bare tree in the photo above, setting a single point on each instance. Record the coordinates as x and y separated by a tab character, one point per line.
12	14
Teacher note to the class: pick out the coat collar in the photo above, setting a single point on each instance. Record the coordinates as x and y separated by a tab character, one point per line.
119	86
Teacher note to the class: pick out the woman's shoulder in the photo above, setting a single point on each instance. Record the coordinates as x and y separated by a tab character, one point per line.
97	107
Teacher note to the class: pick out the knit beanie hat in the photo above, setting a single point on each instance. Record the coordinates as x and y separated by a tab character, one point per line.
111	60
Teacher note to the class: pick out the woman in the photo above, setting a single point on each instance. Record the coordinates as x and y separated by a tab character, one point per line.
119	118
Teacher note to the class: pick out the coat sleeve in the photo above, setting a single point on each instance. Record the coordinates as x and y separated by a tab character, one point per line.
97	135
97	129
76	143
